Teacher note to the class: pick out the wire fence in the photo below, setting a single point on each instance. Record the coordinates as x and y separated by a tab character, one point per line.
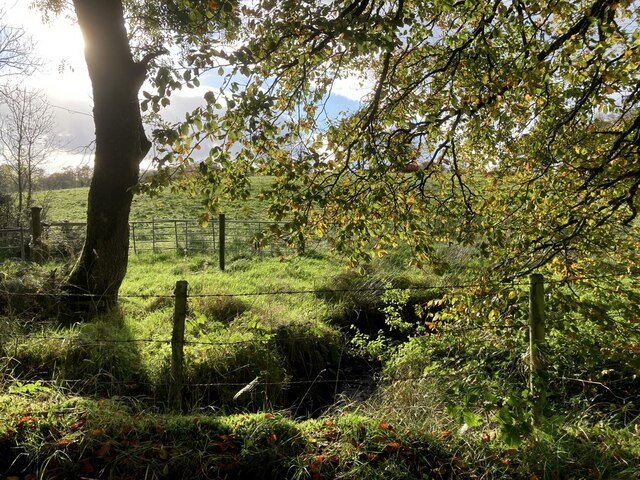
186	236
328	377
183	236
379	287
12	239
248	377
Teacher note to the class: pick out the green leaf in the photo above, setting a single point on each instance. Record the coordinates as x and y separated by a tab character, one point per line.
471	419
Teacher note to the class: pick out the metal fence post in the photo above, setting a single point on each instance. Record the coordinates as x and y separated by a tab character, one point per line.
221	239
537	345
175	229
186	237
213	237
153	235
177	345
133	237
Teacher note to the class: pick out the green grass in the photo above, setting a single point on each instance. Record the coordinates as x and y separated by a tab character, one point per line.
111	438
450	401
261	318
71	205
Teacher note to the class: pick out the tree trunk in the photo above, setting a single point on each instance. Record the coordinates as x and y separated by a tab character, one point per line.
120	146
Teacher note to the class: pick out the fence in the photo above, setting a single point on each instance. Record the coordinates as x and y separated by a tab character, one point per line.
537	345
12	240
176	381
187	236
220	237
179	385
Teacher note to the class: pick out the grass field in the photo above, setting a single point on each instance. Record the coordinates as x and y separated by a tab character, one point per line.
300	368
71	205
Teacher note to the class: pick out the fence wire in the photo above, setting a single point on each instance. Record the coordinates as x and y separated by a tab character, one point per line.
274	293
340	376
182	236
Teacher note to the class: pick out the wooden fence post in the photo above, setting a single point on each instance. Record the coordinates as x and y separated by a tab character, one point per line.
36	224
177	345
221	239
537	346
35	252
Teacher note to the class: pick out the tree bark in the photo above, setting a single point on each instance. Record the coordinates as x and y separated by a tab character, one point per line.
121	144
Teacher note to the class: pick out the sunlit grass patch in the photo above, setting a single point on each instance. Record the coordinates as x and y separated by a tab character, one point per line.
71	204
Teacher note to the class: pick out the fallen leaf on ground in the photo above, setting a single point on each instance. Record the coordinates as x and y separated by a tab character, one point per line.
385	425
26	419
65	442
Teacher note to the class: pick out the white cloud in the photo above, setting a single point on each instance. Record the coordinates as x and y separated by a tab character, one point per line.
64	79
187	100
353	88
60	159
60	47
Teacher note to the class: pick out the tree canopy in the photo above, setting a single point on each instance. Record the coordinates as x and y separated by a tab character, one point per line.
512	125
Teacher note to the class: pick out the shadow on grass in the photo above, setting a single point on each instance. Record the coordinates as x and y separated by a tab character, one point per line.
95	358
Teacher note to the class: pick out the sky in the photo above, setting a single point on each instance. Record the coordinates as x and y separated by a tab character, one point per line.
63	78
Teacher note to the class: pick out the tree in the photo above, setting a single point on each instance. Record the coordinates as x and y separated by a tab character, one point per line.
118	65
69	177
500	103
15	58
26	138
6	199
59	180
523	116
15	50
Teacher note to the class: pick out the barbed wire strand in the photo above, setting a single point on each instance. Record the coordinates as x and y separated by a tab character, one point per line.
375	289
286	382
442	329
146	296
